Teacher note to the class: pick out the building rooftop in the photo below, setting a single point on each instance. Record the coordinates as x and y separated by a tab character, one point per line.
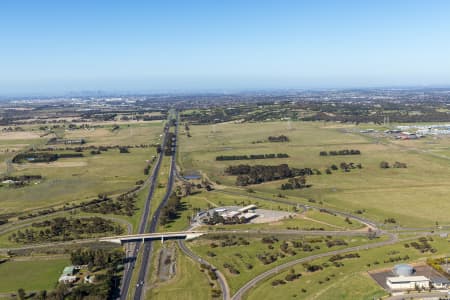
68	270
441	280
406	279
248	207
249	215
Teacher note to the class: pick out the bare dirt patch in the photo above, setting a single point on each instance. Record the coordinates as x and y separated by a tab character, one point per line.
321	222
270	216
55	164
167	263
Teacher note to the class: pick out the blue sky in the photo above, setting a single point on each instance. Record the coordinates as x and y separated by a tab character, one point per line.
59	46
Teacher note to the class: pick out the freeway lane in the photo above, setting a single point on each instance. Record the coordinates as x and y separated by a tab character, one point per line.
128	271
146	255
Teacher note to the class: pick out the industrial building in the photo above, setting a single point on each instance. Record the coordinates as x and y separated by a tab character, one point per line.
241	213
408	282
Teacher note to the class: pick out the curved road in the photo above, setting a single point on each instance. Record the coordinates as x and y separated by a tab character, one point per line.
220	278
261	277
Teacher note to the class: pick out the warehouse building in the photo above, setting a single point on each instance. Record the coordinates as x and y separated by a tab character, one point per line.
408	282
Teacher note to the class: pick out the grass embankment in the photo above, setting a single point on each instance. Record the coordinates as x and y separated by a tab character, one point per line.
32	275
188	283
244	258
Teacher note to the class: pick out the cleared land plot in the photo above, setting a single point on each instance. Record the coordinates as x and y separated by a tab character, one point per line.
33	275
127	134
76	179
382	193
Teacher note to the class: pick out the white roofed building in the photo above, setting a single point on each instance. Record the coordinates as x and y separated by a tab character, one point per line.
407	282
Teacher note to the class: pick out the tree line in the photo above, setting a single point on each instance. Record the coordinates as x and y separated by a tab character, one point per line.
102	148
295	183
278	139
340	152
260	173
251	156
386	165
37	157
169	146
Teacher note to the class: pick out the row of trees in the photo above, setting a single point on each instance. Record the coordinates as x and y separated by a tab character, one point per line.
170	212
123	149
251	156
102	148
260	173
344	166
386	165
37	157
340	152
256	174
295	183
278	139
169	146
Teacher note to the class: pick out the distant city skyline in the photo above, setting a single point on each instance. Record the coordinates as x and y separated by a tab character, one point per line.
56	47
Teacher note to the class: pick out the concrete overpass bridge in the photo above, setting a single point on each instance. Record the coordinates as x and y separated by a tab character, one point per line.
162	236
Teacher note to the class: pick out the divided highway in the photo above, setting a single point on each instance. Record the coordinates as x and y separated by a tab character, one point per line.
128	271
147	253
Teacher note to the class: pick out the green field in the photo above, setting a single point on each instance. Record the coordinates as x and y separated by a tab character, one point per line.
77	179
382	193
189	282
31	275
242	255
350	281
